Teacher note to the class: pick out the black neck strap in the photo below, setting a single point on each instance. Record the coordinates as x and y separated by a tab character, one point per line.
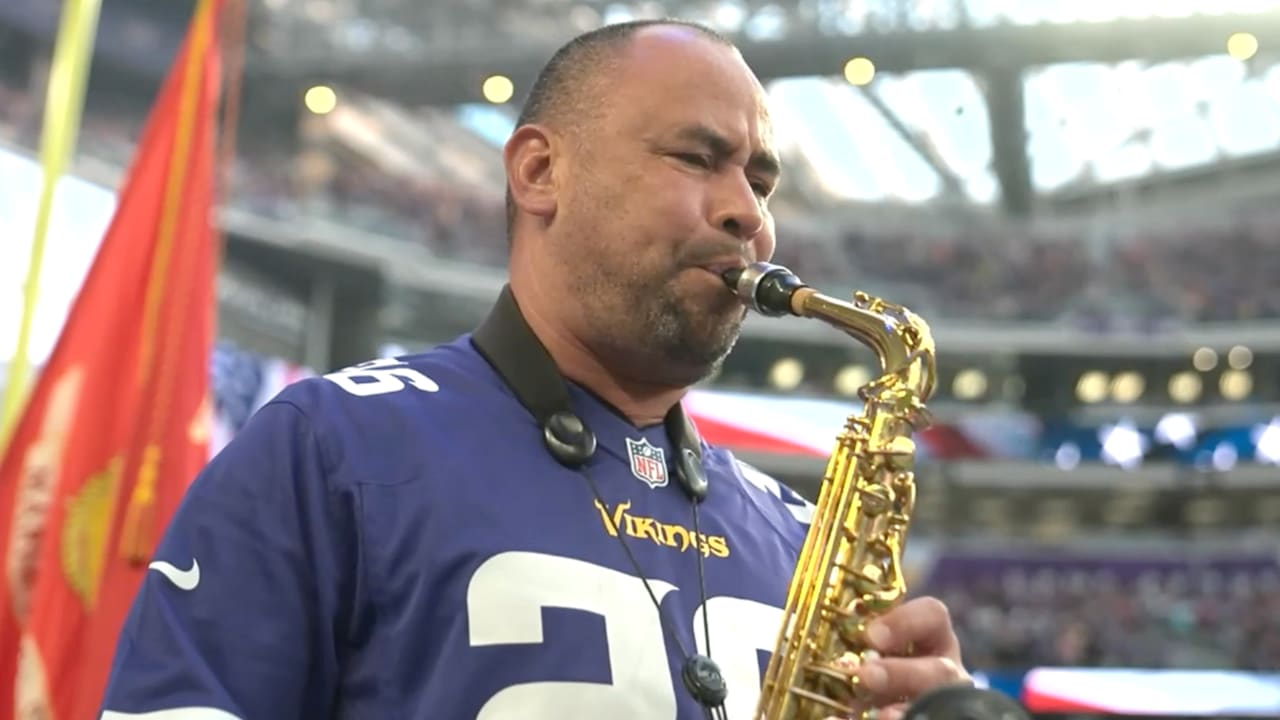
507	342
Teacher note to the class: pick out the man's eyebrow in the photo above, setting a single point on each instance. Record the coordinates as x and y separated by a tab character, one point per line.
760	161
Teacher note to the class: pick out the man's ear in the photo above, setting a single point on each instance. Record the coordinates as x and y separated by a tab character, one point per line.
527	157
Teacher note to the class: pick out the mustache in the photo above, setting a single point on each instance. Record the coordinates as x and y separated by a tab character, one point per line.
715	253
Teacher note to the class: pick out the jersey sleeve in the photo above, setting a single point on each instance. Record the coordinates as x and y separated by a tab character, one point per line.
242	611
796	506
800	508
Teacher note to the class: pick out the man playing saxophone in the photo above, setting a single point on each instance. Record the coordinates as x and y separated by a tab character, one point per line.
523	522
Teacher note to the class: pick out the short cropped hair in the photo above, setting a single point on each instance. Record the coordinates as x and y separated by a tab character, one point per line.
561	93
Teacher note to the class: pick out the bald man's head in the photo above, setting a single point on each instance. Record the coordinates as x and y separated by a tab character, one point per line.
567	92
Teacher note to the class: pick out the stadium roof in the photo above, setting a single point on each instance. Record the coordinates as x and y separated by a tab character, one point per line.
978	104
925	136
1003	104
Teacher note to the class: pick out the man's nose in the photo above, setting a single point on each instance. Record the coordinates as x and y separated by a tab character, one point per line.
739	211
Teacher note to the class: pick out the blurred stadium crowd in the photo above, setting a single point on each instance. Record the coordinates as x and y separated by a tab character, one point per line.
1138	280
1160	612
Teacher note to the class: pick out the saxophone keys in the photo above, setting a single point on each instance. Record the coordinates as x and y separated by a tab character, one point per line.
877	499
849	663
843	685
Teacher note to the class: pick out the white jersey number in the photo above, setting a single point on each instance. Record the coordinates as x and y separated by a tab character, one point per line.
379	377
505	600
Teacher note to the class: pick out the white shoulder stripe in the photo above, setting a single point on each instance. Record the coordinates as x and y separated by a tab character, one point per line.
800	509
182	713
760	480
802	513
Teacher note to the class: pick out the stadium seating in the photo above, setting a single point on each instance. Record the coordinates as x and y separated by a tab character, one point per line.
1019	611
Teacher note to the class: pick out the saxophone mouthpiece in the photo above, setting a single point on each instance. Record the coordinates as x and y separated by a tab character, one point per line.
731	276
764	287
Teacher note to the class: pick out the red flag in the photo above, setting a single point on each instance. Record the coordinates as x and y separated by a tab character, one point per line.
117	425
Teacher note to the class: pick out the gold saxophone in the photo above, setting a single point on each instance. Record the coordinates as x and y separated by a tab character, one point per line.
850	569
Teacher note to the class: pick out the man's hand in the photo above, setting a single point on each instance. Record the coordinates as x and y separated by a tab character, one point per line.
918	651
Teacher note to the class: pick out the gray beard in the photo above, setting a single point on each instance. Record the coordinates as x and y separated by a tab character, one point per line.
654	337
688	352
658	341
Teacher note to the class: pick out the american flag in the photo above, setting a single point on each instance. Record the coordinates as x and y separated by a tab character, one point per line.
242	382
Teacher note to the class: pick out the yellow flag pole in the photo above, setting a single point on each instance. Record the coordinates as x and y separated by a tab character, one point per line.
64	103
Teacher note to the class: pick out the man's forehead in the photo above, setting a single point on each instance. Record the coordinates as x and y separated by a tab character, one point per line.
678	81
662	59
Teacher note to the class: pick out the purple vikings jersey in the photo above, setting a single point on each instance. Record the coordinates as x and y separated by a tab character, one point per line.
394	542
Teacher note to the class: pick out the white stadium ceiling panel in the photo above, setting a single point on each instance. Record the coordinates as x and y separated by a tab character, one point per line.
1088	123
921	136
859	155
1101	123
988	13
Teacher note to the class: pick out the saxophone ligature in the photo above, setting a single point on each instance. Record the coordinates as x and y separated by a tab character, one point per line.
850	568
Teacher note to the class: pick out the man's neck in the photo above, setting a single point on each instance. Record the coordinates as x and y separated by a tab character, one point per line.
642	403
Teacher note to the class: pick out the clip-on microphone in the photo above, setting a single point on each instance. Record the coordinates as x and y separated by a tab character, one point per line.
569	439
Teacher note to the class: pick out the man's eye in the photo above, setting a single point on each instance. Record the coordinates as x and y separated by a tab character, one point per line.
701	161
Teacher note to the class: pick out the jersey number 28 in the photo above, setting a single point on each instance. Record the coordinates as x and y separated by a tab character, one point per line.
505	600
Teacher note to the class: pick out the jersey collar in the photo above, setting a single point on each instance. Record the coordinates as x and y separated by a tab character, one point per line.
510	346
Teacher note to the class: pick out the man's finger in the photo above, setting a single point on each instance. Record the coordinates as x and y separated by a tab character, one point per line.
921	625
893	679
894	712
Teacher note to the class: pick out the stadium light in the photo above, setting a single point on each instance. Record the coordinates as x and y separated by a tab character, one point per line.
1240	358
320	99
1092	387
498	89
787	374
1204	359
850	379
1123	444
969	384
859	71
1266	441
1177	429
1067	456
1127	387
1235	384
1225	456
1185	387
1242	46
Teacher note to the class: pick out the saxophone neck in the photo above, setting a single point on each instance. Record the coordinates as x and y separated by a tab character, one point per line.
901	339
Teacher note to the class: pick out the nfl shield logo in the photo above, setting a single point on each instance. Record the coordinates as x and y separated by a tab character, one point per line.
648	463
